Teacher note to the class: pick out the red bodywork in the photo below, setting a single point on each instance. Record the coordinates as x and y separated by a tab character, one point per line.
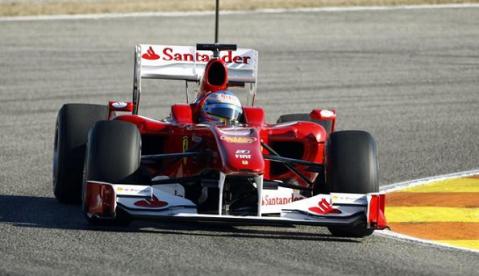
234	150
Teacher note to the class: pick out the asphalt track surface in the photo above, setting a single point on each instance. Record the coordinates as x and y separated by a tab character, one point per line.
411	78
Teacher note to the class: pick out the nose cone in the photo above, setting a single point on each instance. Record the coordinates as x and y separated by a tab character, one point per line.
240	150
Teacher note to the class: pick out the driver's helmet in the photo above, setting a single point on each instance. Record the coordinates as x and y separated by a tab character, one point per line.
221	107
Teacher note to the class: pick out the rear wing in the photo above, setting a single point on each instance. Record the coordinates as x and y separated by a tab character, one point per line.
187	63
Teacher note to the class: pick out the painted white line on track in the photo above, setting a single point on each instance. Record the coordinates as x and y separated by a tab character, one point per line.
418	182
209	13
397	236
422	181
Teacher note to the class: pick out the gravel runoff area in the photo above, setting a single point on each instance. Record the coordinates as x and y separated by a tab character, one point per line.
48	7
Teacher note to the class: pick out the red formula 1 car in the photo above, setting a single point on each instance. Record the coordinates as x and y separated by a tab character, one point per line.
214	159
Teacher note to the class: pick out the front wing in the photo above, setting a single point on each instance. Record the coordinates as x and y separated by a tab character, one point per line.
281	206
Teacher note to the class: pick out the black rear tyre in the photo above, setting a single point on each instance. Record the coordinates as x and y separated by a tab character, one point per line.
352	167
113	156
71	134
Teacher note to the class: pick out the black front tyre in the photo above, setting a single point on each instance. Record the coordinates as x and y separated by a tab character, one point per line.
71	134
352	167
113	156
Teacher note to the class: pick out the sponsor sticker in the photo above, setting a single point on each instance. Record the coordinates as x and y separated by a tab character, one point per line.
150	54
238	139
323	207
185	147
229	99
326	113
268	200
348	198
153	202
119	104
185	54
242	154
130	189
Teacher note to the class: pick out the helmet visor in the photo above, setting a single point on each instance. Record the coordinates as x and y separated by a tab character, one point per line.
224	110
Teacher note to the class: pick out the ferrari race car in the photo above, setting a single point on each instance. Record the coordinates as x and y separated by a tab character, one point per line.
214	159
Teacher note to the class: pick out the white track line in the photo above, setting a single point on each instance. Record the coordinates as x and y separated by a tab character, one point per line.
397	236
422	181
209	13
418	182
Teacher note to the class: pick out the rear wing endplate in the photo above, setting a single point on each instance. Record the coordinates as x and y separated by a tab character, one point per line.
187	63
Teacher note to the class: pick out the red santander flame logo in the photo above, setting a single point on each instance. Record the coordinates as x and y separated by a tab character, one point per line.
323	208
153	202
150	54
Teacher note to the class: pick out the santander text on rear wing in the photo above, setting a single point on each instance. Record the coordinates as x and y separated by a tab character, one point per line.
187	63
